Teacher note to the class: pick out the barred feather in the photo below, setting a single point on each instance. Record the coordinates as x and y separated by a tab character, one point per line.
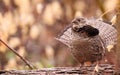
108	33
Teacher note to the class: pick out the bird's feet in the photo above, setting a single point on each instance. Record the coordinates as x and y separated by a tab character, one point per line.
97	70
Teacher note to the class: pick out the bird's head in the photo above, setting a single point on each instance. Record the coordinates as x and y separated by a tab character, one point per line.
85	29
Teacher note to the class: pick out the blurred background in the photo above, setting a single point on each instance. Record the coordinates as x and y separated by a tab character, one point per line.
30	26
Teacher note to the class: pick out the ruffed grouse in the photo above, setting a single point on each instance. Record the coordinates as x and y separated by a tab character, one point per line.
88	39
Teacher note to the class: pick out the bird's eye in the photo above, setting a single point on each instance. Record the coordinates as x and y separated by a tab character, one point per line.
76	28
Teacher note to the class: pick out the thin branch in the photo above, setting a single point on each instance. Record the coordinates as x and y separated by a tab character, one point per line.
14	51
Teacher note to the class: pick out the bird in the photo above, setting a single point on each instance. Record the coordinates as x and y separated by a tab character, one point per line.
88	39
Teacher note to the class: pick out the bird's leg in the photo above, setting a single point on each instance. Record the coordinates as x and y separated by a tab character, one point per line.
81	65
97	68
84	66
88	64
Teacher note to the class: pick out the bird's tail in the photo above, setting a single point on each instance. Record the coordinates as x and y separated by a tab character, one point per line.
65	36
108	32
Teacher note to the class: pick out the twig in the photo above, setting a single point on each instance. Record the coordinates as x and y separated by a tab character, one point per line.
104	13
14	51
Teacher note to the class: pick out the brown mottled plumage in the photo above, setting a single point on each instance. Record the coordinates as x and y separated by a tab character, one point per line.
89	49
88	39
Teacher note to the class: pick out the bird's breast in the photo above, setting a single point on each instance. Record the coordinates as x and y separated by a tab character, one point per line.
89	49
